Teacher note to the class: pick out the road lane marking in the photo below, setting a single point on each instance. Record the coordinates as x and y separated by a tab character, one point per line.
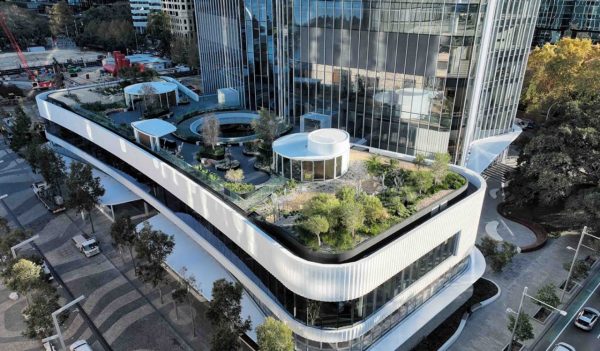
572	318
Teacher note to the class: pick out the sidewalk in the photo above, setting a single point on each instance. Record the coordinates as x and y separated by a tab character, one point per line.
486	329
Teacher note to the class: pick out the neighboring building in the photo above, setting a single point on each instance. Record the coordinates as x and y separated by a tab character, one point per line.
140	9
381	294
183	19
572	18
406	76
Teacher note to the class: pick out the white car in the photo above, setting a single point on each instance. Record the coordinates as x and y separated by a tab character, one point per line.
80	345
563	346
587	318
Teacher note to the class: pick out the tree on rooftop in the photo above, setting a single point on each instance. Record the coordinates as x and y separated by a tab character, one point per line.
274	335
423	180
152	248
440	167
83	189
320	204
235	175
149	93
346	193
420	161
224	312
210	130
373	209
266	126
351	216
316	225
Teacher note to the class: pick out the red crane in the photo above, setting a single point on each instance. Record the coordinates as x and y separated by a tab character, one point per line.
24	64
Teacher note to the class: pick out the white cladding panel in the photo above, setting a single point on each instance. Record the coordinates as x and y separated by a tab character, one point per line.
323	282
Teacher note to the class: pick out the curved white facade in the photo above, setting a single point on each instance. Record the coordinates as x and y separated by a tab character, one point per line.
317	281
337	282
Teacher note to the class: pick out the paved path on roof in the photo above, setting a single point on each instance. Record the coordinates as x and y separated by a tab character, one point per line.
486	329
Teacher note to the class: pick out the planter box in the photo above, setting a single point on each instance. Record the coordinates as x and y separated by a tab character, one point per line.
517	346
542	315
572	285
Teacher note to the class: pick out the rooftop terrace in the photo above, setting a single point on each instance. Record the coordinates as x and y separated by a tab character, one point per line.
378	198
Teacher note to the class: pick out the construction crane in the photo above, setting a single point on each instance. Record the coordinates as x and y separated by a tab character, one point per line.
37	84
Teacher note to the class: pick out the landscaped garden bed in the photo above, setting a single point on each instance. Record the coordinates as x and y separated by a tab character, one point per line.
375	197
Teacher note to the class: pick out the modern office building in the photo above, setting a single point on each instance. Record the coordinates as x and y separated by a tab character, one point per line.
572	18
140	9
183	19
382	293
400	75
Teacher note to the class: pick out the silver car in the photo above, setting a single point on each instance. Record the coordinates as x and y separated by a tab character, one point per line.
587	318
563	346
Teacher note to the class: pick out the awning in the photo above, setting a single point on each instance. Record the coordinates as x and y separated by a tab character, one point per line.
484	151
154	127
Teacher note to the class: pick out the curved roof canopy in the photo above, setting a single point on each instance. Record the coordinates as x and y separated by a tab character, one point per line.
157	87
154	127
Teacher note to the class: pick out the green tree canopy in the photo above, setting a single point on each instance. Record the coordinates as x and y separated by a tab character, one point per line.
152	248
561	72
316	225
159	31
274	335
28	27
61	19
547	294
224	312
21	129
524	329
84	190
38	323
23	276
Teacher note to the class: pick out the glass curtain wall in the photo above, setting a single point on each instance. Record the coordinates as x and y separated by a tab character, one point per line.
574	18
392	73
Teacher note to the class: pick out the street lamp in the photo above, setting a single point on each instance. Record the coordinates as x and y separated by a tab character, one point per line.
518	313
579	245
55	320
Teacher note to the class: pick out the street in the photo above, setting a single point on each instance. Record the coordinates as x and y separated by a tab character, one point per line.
564	329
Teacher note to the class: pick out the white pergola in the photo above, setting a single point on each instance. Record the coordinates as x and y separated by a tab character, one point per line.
149	131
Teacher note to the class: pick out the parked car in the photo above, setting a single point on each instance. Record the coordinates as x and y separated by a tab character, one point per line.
563	346
587	318
80	345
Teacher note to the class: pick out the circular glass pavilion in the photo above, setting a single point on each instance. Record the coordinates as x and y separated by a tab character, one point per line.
319	155
161	94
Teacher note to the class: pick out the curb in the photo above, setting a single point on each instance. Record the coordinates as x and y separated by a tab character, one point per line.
466	316
541	235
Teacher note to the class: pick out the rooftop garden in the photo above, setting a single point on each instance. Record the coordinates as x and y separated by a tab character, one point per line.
376	194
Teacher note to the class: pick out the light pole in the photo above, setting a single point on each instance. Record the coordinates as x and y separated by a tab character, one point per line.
55	320
518	313
579	245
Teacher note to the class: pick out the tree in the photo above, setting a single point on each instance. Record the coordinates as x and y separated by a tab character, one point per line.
51	167
266	126
23	276
580	269
29	28
439	167
224	313
108	27
561	72
373	209
547	294
84	191
61	19
274	335
423	180
122	232
38	321
351	216
488	246
420	161
503	256
316	225
152	248
149	93
235	175
210	131
524	329
159	31
9	240
187	282
21	129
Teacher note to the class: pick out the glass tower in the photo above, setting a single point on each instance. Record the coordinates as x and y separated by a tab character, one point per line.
575	18
409	76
